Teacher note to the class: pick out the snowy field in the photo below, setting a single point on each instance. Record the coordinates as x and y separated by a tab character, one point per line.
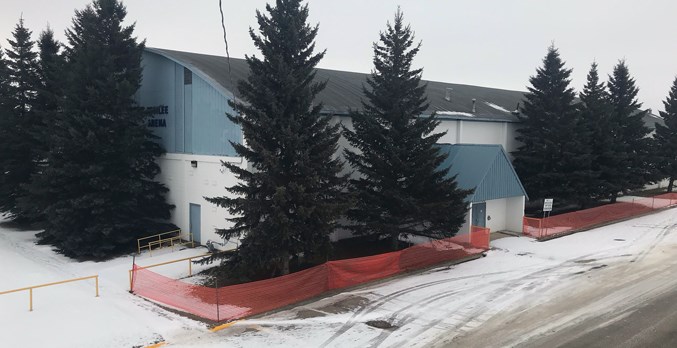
436	308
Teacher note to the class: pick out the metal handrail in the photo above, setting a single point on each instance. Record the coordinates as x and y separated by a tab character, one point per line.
161	240
30	288
190	267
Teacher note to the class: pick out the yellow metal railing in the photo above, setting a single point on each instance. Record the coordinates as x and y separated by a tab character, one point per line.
30	288
190	267
166	238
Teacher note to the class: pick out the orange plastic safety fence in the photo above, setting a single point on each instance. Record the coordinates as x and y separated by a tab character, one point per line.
238	301
564	223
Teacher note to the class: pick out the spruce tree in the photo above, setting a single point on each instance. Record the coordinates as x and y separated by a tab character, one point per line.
17	158
50	72
289	198
400	190
6	122
4	87
666	138
46	105
554	158
632	170
102	165
595	117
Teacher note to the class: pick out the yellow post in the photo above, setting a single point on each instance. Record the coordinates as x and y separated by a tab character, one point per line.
30	307
130	280
97	286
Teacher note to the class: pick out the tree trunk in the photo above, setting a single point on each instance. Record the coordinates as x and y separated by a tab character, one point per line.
671	182
614	197
284	263
394	241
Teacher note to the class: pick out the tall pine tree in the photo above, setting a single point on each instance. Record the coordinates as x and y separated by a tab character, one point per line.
290	197
102	157
400	190
6	122
666	138
595	117
17	158
632	169
4	86
554	158
46	105
51	74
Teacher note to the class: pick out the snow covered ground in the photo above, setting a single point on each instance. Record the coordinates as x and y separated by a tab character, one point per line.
427	309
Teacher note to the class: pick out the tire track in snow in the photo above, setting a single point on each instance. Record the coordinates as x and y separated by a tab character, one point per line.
665	231
528	282
371	307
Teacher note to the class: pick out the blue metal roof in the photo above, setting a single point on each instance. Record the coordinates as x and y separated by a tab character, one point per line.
485	168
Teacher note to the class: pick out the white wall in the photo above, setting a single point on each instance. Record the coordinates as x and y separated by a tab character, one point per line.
505	214
479	132
514	214
496	214
190	185
465	228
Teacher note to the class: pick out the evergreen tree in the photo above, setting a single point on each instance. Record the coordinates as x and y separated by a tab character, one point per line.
554	158
595	117
6	122
632	169
50	73
401	190
4	87
290	196
102	156
666	137
17	158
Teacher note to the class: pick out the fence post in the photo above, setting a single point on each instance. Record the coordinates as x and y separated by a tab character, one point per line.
97	285
218	315
131	274
30	301
190	267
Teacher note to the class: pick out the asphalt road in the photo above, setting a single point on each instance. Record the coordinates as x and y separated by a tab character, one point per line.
626	302
653	324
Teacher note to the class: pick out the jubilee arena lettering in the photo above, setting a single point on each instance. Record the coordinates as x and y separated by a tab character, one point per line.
157	122
156	111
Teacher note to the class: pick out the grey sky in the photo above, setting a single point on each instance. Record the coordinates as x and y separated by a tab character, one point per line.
493	43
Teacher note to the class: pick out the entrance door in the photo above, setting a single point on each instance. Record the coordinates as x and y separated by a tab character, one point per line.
195	222
479	214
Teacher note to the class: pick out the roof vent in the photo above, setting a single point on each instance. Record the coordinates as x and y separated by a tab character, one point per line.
447	95
473	105
517	109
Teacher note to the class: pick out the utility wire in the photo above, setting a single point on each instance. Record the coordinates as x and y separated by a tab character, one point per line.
225	40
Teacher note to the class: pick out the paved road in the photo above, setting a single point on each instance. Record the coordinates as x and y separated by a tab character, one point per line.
653	324
626	302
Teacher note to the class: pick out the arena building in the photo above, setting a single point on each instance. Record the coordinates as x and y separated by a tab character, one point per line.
188	94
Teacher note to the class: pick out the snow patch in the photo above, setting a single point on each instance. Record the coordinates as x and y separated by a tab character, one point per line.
455	113
497	107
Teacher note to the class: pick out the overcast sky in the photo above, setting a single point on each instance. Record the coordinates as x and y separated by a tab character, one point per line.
492	43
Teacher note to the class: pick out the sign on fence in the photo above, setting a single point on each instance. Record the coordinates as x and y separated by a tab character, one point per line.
547	204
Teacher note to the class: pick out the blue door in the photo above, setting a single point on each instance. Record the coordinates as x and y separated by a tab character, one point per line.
195	222
479	214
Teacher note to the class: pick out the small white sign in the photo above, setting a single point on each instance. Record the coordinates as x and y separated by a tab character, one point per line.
547	204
